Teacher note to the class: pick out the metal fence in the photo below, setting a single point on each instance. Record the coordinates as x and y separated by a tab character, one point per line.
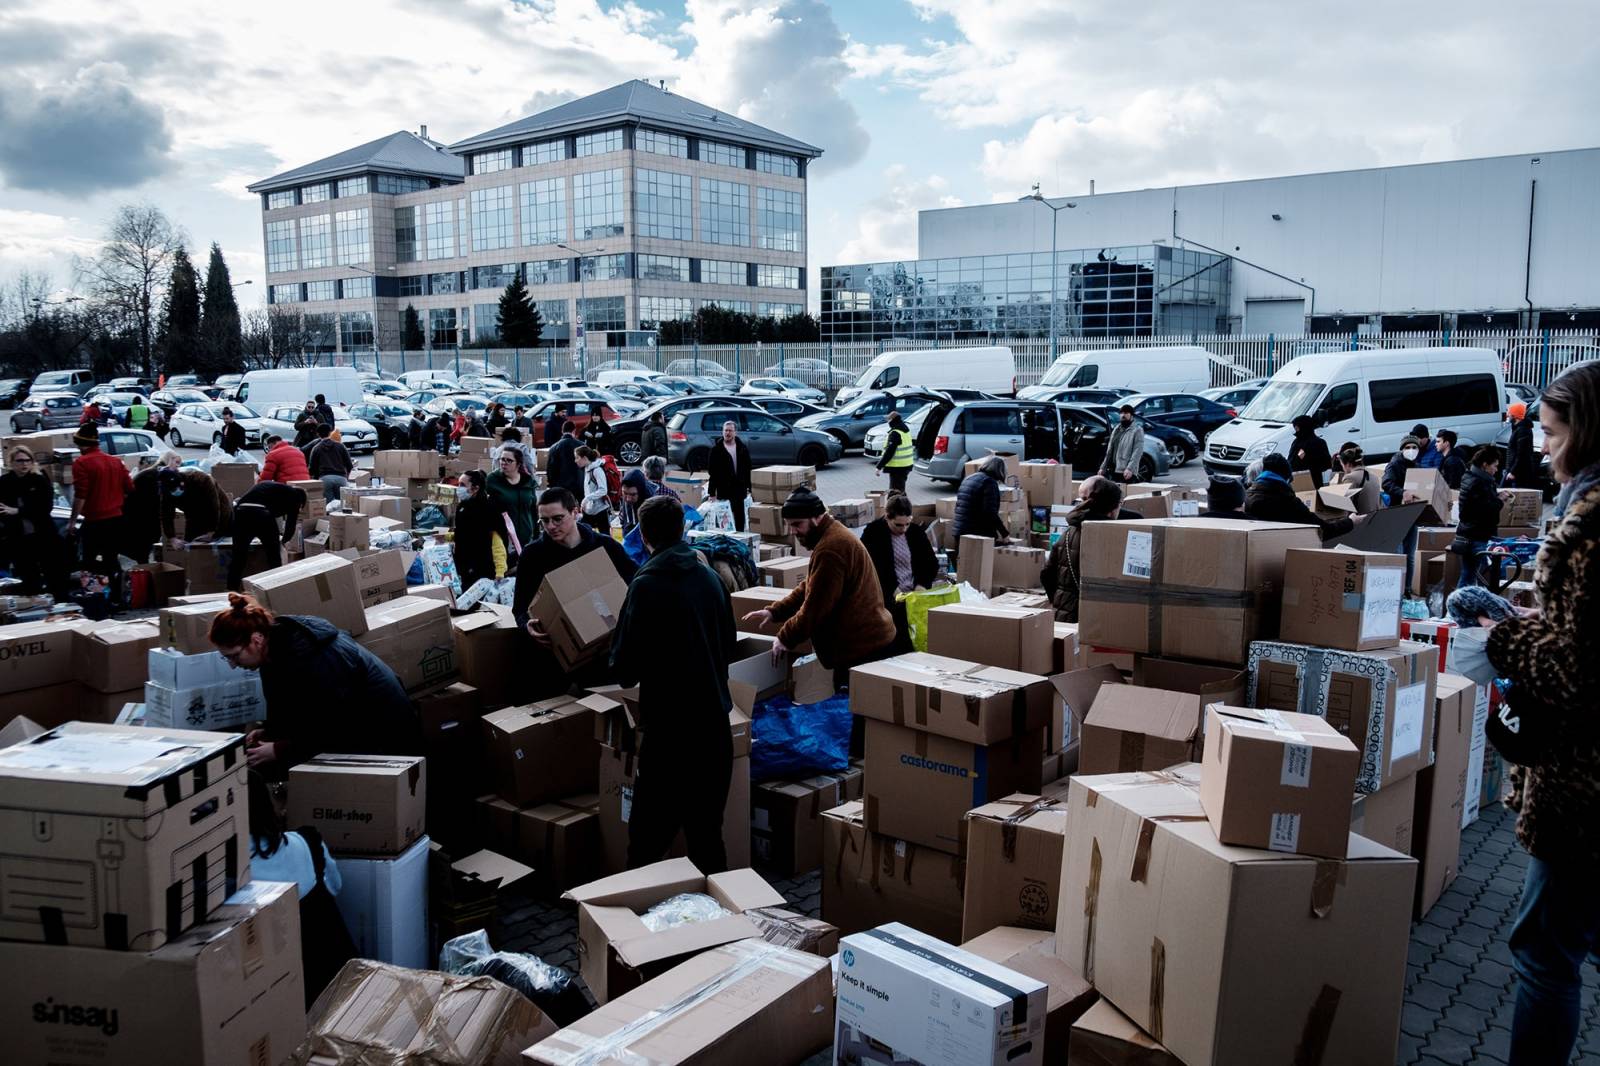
1530	357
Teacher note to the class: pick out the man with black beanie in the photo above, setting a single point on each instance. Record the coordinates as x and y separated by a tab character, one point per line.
1225	498
1272	498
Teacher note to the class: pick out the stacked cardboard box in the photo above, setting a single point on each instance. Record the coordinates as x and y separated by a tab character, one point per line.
200	692
1164	502
869	878
1032	952
786	819
994	634
1013	864
413	636
785	572
855	513
1047	484
325	586
773	484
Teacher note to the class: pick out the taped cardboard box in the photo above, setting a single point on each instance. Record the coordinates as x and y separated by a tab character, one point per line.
766	519
374	1011
543	751
361	804
855	512
402	464
760	598
1011	459
413	637
896	986
1013	850
690	487
951	697
1382	700
738	1003
1387	816
1205	946
205	565
869	879
1013	638
1340	598
348	530
187	627
316	497
386	506
381	576
487	648
785	572
773	484
1032	952
1130	728
1277	780
1165	503
788	929
1104	1036
1441	791
617	951
1340	498
975	562
578	604
129	835
200	692
111	657
36	654
324	586
1047	483
1187	588
1017	566
786	819
561	841
230	990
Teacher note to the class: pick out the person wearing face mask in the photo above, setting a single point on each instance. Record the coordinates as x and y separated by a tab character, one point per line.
511	485
838	607
904	559
207	511
1396	495
1125	451
729	467
479	534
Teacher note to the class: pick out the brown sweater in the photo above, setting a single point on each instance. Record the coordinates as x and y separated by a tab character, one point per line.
839	605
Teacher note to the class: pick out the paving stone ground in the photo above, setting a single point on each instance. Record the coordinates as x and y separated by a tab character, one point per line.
1459	982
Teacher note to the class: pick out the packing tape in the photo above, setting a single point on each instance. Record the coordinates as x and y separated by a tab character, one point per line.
1091	909
1158	988
324	588
875	857
1147	833
1318	1028
1130	751
1330	873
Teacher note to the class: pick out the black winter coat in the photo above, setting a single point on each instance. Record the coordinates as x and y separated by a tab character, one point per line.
326	693
597	435
305	428
1271	500
479	520
232	438
653	441
329	456
33	496
545	555
1394	479
1480	507
1522	463
727	483
561	467
1453	468
879	543
1317	461
978	507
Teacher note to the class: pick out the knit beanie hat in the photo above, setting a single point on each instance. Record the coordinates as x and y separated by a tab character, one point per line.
1224	494
803	503
1277	464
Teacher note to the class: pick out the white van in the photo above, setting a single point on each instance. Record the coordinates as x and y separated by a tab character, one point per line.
421	379
1177	368
988	369
1371	397
607	378
264	388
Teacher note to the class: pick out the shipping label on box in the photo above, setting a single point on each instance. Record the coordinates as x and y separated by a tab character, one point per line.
361	804
577	605
1342	599
1165	503
1013	864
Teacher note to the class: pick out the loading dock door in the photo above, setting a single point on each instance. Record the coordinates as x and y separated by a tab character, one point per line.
1283	317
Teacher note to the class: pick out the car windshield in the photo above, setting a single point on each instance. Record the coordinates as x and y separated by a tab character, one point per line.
1283	401
1058	374
790	383
239	410
122	397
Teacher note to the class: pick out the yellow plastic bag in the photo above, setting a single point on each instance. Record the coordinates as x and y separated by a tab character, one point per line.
918	603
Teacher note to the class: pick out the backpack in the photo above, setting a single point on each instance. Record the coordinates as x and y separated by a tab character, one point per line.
325	941
613	480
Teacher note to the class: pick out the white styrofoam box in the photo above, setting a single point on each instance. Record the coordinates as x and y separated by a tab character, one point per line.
222	705
385	905
171	668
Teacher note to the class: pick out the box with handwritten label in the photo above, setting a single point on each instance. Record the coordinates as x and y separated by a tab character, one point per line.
1340	598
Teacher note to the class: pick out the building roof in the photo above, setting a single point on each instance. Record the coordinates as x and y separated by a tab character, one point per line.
399	153
642	102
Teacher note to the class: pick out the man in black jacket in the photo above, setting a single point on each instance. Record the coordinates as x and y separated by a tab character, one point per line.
270	513
325	413
1481	501
597	435
555	425
1308	451
417	438
1522	460
1452	467
729	467
561	465
305	426
1271	498
232	436
677	612
1225	498
653	439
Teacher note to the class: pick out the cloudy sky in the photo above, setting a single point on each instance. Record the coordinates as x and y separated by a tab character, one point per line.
918	103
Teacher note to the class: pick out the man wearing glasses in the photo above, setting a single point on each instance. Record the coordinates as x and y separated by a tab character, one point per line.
562	539
27	530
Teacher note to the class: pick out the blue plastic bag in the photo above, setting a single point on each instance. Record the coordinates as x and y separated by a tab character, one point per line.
633	544
790	740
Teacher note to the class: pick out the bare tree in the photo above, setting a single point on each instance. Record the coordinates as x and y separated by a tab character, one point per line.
130	274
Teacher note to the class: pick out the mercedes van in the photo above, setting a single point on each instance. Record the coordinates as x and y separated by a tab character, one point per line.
1175	368
987	369
1371	397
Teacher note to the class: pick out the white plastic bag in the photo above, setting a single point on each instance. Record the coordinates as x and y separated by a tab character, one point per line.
716	515
681	910
217	455
487	590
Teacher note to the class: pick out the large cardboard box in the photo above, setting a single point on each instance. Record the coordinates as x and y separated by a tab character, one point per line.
1047	483
1441	791
975	562
1014	638
127	836
744	1002
1104	1035
760	598
1277	780
384	903
869	879
403	465
617	951
1032	952
324	585
792	930
547	750
1013	864
951	697
561	840
414	638
1130	728
380	506
766	519
1382	700
1524	507
786	819
361	804
206	565
786	571
110	657
1164	503
381	576
36	654
186	627
487	649
1387	816
374	1012
1017	566
1340	598
348	529
1075	693
1226	954
577	605
200	692
772	484
920	785
228	991
690	487
1188	588
925	1001
1430	487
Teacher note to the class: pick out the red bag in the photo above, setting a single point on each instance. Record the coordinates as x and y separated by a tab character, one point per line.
613	481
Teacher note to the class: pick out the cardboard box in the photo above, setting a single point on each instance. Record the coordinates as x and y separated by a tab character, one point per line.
128	835
854	513
922	1000
200	692
1205	946
951	697
1017	566
1130	728
348	530
545	751
743	1002
386	506
561	841
413	637
577	604
788	929
1277	780
766	519
760	598
1103	1034
402	465
1340	598
690	487
1013	849
1187	588
35	654
1430	487
1441	792
230	990
1387	816
1341	498
206	565
235	479
1165	503
975	562
166	581
617	770
869	879
384	903
1011	459
361	804
487	649
1047	483
1382	700
618	952
1009	637
773	484
374	1011
187	627
786	819
920	785
324	586
1032	952
110	657
785	572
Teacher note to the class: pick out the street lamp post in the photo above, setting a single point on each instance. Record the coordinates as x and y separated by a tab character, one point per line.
1038	197
583	336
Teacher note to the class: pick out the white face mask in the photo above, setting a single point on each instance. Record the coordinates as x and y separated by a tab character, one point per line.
462	492
1410	453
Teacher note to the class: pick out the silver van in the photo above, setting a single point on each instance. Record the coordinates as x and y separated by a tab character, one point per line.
954	433
78	381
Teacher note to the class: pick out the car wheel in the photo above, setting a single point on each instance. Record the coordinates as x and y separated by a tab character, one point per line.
1147	469
1177	454
696	460
630	452
813	455
842	437
177	438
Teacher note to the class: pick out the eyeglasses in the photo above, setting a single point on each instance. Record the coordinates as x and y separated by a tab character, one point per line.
231	656
508	459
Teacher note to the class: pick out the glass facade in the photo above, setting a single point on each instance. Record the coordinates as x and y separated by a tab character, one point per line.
319	290
777	277
281	198
316	241
353	187
355	289
728	155
547	271
413	285
1101	292
544	211
664	204
740	306
658	143
485	321
494	277
443	284
654	310
554	312
663	268
599	143
779	310
604	313
773	163
355	330
544	152
780	220
393	184
441	230
597	204
442	326
405	234
315	194
280	246
493	219
723	272
489	162
724	212
284	294
603	267
354	232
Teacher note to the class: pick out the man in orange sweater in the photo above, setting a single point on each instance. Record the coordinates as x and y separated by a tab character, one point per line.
100	483
284	462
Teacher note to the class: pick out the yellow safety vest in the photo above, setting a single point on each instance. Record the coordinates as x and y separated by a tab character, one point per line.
905	454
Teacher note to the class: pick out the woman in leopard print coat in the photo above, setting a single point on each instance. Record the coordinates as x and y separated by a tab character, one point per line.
1554	657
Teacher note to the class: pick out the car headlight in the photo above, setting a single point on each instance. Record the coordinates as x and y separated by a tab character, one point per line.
1261	451
1190	437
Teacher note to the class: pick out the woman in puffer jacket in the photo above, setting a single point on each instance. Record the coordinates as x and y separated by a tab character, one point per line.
1060	574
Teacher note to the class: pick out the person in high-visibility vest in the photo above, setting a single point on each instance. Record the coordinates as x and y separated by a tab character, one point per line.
898	453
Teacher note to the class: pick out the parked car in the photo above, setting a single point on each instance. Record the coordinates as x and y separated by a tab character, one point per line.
622	406
627	372
578	413
1196	414
355	432
645	392
1093	429
952	433
1088	396
115	406
1237	396
465	402
390	419
137	448
170	399
77	382
228	381
818	373
702	368
13	391
627	431
851	422
379	387
178	381
140	385
784	386
524	397
484	383
790	411
692	434
1516	393
200	424
54	410
296	385
418	379
555	385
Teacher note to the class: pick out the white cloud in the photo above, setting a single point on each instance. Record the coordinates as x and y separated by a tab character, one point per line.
42	242
886	226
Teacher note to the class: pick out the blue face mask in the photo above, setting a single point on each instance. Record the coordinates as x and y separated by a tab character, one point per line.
462	492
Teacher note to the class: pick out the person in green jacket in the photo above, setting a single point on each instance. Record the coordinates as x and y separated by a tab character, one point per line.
138	414
513	488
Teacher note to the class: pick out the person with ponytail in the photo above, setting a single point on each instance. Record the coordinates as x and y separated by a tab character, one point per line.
324	692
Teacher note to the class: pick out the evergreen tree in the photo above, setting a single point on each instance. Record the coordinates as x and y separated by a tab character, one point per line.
220	333
520	324
178	332
411	337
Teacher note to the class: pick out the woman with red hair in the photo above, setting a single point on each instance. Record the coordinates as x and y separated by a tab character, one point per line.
324	692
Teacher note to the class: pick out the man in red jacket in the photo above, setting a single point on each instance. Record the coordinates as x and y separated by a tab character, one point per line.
99	484
284	462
